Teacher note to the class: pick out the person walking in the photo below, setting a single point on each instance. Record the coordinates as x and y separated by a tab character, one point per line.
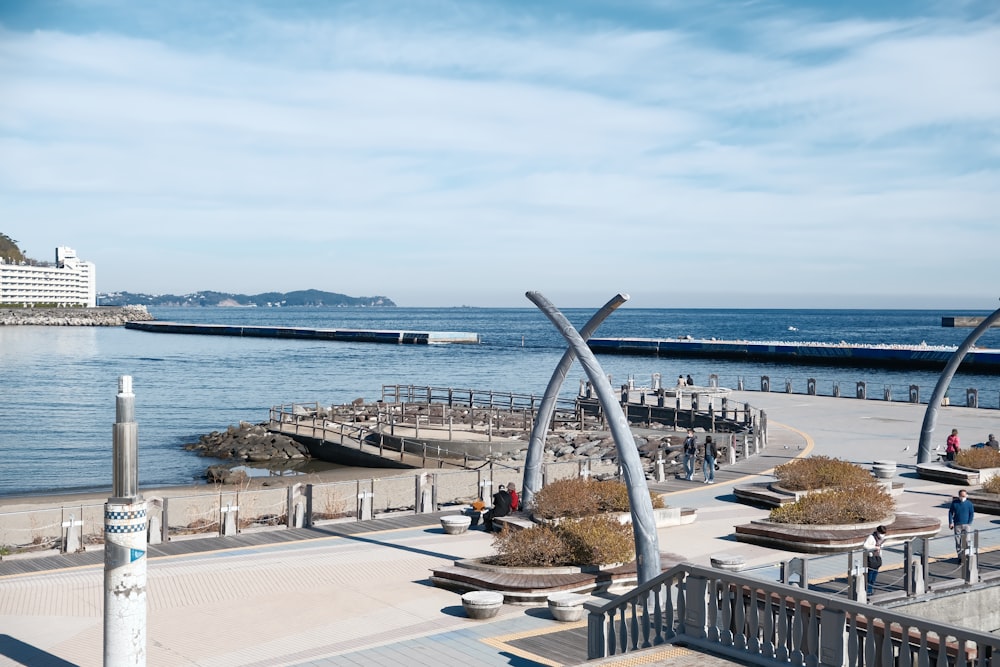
873	556
690	453
960	516
708	463
952	445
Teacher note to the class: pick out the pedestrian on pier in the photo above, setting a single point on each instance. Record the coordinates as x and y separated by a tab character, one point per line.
960	516
873	556
993	443
708	463
690	453
952	445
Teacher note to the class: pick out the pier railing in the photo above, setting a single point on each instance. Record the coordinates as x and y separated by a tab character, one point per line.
230	510
769	623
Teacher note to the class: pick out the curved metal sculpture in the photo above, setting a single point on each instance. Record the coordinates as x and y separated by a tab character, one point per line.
647	547
930	416
536	444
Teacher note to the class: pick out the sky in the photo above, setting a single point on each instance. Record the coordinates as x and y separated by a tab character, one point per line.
714	154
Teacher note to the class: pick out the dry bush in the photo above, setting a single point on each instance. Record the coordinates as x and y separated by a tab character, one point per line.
820	472
577	497
857	504
596	540
589	541
539	546
992	485
978	458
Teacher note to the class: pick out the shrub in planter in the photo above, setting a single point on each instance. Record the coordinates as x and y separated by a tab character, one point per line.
539	546
820	472
978	458
594	540
577	497
855	504
992	485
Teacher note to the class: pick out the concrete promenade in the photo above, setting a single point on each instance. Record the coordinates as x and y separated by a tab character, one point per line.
364	599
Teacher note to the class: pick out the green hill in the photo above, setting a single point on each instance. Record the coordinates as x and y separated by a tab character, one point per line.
9	251
309	297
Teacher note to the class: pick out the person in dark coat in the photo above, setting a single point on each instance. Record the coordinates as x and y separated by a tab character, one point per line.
501	507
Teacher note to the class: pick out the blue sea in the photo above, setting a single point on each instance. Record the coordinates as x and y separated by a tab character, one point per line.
59	384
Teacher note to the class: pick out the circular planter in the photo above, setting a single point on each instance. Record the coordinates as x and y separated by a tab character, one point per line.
871	525
455	524
480	605
567	607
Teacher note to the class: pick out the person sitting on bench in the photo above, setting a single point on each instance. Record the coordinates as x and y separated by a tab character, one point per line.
501	507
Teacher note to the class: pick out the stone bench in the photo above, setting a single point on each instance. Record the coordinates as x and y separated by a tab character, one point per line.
481	605
456	524
514	521
567	607
942	472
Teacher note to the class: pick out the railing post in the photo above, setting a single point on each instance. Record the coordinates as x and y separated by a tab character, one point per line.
833	638
309	505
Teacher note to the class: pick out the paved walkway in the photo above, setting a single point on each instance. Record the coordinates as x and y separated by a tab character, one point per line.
364	598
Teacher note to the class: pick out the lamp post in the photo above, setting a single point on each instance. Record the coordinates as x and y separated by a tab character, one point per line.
125	543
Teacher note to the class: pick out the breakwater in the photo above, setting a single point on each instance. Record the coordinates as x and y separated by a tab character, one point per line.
73	317
349	335
832	354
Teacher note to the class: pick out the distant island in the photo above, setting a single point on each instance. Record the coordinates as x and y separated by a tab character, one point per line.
309	297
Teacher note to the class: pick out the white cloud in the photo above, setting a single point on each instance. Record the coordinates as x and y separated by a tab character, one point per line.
363	155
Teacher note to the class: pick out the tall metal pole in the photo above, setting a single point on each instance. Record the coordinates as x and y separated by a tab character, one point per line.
536	445
125	543
647	547
930	415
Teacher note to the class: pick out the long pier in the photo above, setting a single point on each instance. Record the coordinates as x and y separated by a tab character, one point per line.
347	335
833	354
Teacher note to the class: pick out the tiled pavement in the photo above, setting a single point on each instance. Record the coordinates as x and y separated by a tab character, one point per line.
364	599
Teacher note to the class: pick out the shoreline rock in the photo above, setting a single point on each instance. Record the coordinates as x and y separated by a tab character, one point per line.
247	443
74	317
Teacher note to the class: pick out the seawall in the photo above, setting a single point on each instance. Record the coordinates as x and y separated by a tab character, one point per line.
73	317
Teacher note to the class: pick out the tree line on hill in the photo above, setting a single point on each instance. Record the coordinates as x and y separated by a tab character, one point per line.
310	297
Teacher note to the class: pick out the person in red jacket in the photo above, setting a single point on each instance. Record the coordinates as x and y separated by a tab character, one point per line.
515	502
952	446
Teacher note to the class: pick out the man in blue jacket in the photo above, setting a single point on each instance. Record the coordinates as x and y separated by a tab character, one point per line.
960	516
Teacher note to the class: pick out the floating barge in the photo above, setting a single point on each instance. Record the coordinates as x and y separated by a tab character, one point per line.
965	321
831	354
346	335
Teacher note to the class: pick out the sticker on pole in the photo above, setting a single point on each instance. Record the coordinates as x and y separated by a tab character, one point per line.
135	554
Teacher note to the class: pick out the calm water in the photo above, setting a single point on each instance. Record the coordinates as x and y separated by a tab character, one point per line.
59	383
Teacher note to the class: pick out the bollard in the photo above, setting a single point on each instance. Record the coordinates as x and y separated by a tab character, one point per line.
229	516
660	476
71	535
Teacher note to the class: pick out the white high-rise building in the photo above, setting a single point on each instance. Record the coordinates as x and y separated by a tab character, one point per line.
68	282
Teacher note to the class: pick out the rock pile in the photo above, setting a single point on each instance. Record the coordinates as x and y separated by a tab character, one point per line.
74	317
251	443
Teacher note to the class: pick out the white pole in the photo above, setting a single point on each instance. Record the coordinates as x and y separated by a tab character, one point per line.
125	543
